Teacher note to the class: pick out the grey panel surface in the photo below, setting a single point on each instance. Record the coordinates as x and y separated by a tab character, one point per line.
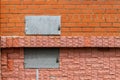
44	25
41	57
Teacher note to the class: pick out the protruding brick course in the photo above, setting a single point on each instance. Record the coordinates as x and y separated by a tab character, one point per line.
60	41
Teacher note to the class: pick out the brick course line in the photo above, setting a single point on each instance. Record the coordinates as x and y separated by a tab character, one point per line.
60	41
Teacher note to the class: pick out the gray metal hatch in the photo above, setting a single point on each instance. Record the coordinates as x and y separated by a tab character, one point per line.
41	57
43	25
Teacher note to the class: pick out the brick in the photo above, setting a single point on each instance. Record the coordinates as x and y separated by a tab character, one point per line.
13	55
20	24
105	41
15	20
27	41
99	11
10	64
116	24
70	6
93	24
117	41
9	42
15	41
111	11
57	41
45	41
111	42
73	67
69	41
17	2
11	24
21	41
33	41
88	29
87	41
4	20
12	79
65	29
22	7
21	55
75	29
5	11
82	6
3	41
39	40
81	41
87	20
99	42
63	41
51	41
75	41
93	41
106	24
106	6
27	2
67	25
4	59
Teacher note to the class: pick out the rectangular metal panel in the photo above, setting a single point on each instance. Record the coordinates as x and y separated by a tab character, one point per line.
41	57
44	25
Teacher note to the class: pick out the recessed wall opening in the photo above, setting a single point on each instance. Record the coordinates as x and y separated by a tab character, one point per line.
41	58
42	25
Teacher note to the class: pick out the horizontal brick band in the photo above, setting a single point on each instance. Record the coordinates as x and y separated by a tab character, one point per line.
60	41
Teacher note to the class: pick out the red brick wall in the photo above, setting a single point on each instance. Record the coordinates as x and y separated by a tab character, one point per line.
79	17
75	64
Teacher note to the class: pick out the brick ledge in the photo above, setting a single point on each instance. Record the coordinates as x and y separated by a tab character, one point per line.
60	41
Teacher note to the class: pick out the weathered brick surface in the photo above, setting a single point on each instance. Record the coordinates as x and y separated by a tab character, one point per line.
75	64
79	17
84	23
60	41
